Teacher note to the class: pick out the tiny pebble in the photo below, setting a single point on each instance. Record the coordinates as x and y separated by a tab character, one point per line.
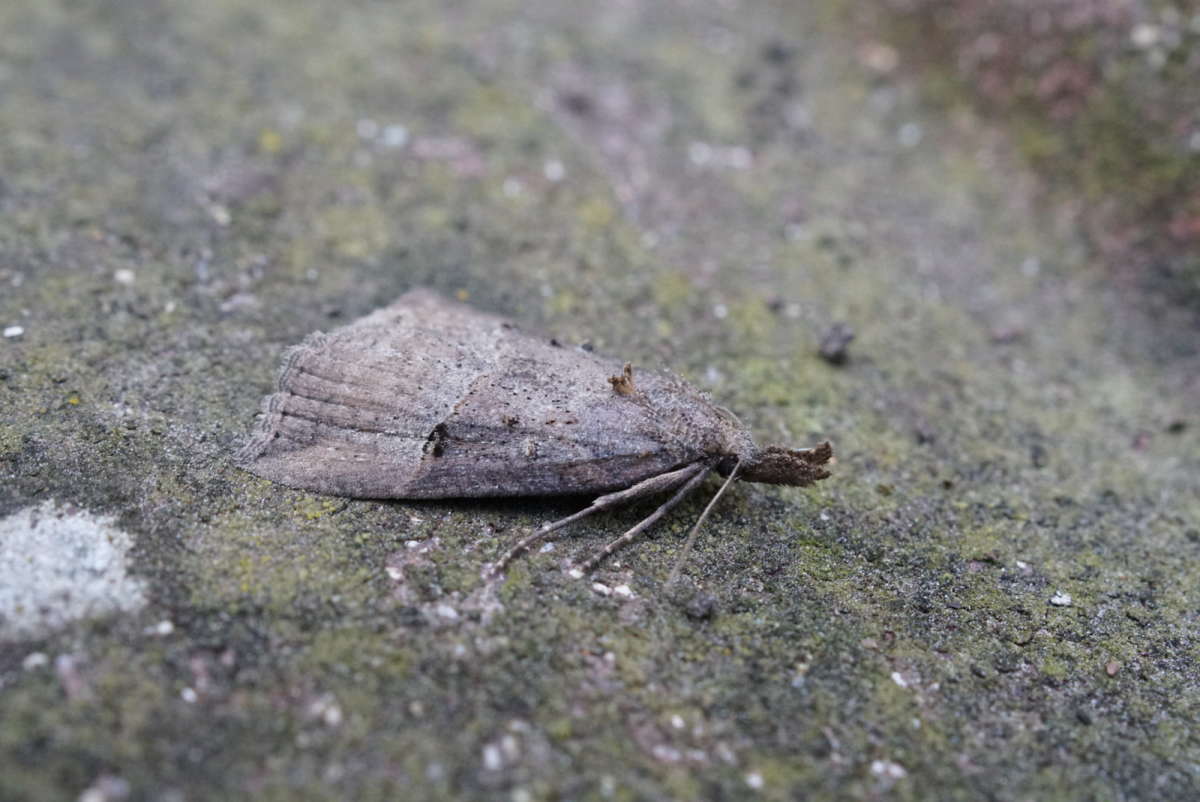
1061	599
13	331
910	135
188	695
575	573
899	679
124	276
754	780
1144	35
1111	667
601	588
624	591
492	759
395	136
554	170
447	612
162	628
34	660
888	769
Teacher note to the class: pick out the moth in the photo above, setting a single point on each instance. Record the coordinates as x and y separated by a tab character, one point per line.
428	399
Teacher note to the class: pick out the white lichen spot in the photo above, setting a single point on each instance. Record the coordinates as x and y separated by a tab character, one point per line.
125	276
189	695
446	612
601	588
1061	599
13	331
61	565
161	629
899	679
575	573
624	591
755	780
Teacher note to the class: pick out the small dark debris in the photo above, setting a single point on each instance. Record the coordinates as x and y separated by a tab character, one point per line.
587	346
835	344
778	53
1084	717
577	103
554	342
1038	455
1007	335
1177	427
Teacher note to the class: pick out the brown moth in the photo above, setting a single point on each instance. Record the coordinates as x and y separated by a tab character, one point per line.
427	398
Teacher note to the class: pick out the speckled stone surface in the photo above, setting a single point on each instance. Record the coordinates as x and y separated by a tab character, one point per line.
993	596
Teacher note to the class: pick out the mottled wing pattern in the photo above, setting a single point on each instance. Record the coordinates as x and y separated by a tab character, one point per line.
427	398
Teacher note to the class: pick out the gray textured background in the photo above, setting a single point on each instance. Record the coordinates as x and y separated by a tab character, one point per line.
187	188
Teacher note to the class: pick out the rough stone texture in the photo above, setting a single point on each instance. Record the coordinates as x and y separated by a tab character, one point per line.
995	597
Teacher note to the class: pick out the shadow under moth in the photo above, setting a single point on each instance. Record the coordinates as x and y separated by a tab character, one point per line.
427	398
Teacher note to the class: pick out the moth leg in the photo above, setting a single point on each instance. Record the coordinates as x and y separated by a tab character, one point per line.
647	522
647	487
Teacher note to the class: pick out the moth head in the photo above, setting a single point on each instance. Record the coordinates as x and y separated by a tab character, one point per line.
775	465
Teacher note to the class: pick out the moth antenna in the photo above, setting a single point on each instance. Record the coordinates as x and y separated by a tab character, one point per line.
687	547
